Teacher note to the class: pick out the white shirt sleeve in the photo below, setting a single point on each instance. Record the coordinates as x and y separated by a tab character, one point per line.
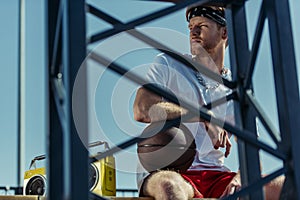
158	72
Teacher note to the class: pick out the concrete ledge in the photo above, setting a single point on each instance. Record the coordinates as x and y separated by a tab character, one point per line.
19	197
149	198
131	198
33	197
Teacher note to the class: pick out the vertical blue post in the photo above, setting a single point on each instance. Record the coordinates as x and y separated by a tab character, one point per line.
55	128
287	91
67	165
74	52
244	114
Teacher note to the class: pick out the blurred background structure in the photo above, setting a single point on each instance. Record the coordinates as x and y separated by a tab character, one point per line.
72	53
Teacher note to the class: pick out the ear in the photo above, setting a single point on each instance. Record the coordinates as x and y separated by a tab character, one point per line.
224	33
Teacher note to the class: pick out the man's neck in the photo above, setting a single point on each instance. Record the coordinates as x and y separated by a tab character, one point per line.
218	57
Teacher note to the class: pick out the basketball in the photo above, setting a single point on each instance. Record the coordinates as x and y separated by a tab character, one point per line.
172	149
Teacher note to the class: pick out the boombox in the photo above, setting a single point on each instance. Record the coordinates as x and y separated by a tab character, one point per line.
102	173
102	176
35	179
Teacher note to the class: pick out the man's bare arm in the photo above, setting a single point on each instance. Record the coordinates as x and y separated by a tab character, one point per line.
149	107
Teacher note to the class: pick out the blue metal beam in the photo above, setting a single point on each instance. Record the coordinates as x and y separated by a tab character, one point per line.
120	27
257	185
74	52
273	133
55	130
255	46
245	115
287	91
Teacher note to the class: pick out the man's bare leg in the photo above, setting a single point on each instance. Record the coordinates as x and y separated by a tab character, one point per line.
273	188
168	185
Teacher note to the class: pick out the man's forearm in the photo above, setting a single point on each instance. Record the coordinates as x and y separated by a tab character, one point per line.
149	107
165	111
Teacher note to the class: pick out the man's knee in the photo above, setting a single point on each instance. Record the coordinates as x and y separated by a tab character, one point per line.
168	185
163	180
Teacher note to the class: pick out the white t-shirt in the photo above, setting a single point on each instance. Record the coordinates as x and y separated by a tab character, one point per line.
184	82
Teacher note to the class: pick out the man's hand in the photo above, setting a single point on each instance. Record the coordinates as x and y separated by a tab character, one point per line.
219	137
233	186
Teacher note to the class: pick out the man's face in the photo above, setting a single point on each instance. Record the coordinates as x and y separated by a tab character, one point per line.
205	32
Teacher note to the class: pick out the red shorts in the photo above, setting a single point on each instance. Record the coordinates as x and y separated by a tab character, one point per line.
208	184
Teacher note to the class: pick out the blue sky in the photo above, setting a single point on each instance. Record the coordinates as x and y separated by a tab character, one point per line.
111	97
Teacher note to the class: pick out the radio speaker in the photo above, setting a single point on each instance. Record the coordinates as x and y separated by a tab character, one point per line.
35	182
